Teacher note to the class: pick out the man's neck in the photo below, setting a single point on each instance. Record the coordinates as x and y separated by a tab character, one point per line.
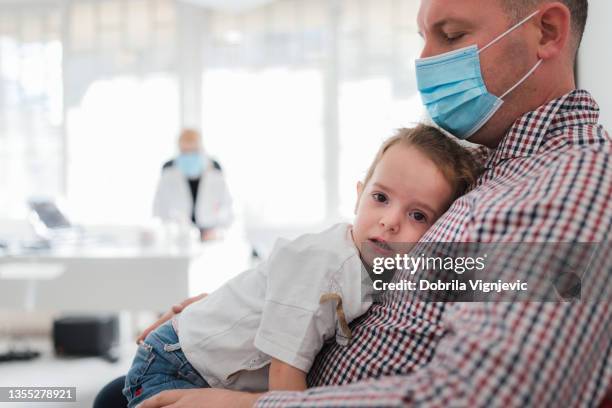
494	132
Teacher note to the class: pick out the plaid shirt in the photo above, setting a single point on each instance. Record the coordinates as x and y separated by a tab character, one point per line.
550	180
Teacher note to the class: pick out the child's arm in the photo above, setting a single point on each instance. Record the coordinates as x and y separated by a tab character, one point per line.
284	377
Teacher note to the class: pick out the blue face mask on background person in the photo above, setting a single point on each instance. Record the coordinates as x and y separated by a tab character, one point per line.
454	92
191	164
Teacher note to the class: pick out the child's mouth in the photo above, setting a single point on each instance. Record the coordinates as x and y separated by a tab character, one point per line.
381	246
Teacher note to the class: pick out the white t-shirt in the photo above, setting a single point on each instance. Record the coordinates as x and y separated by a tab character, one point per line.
273	310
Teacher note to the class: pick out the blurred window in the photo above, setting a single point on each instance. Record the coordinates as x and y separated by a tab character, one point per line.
296	97
31	140
271	77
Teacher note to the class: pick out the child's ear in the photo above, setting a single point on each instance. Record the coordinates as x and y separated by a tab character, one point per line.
359	192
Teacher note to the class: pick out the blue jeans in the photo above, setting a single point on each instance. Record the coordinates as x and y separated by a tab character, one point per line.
159	365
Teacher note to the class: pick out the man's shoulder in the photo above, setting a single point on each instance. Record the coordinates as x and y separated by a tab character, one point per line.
560	173
580	136
579	150
555	195
565	152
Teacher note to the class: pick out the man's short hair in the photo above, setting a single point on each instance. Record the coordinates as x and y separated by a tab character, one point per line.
579	10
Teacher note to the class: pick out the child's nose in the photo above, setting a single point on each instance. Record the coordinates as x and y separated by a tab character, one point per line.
391	221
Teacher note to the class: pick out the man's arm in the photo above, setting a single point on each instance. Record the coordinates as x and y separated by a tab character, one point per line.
494	354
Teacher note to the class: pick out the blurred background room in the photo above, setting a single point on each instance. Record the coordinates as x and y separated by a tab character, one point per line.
291	98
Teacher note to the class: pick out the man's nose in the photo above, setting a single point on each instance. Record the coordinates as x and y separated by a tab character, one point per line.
429	50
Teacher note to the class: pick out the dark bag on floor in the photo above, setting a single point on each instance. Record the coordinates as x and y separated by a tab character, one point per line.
86	335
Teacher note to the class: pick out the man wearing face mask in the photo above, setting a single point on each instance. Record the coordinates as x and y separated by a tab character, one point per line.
192	187
501	73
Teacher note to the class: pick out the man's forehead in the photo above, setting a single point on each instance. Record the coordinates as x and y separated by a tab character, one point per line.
189	136
436	13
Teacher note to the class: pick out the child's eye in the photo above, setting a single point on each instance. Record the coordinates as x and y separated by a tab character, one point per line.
379	197
418	216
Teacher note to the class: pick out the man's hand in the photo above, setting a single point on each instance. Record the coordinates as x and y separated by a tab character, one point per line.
201	398
176	309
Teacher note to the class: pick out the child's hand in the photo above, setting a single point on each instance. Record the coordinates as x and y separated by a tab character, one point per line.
176	309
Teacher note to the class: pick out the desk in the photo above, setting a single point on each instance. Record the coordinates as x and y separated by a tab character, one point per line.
111	279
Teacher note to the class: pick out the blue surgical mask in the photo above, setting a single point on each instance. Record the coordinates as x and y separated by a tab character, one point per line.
190	164
454	92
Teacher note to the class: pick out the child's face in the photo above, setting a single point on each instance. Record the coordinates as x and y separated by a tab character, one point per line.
405	196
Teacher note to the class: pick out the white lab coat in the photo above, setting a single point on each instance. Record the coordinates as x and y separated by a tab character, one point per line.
173	200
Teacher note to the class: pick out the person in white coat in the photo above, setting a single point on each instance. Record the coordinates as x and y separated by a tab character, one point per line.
192	187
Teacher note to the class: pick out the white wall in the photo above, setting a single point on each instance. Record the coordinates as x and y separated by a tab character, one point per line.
595	60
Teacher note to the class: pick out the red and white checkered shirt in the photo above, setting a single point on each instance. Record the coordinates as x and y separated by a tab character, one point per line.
550	180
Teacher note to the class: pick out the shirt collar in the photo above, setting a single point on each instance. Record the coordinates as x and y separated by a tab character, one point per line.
530	131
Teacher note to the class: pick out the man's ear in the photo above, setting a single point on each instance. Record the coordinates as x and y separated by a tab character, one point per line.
554	23
359	192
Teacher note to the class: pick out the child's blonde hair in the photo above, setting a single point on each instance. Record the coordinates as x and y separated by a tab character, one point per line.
458	165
